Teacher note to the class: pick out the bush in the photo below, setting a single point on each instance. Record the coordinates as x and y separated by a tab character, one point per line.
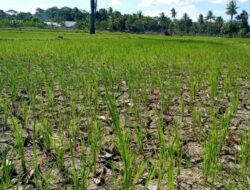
230	29
242	32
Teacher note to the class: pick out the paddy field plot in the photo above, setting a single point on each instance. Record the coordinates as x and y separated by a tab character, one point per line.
122	111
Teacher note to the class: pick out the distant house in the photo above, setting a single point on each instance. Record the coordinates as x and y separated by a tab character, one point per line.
70	24
54	24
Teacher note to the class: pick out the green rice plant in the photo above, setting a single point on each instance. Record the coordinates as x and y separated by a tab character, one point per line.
25	112
121	142
210	154
13	85
228	81
182	105
170	170
196	118
6	113
213	85
225	123
85	166
46	177
76	184
95	139
151	175
46	132
141	168
139	136
35	163
177	146
234	100
197	122
139	124
163	155
18	133
193	87
244	157
6	170
58	146
74	129
167	157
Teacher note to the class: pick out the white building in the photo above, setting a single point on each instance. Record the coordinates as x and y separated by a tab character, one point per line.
55	24
70	24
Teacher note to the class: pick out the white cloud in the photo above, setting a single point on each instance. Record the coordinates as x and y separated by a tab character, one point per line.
226	1
115	2
148	3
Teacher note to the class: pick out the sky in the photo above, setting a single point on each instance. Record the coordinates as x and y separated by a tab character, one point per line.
148	7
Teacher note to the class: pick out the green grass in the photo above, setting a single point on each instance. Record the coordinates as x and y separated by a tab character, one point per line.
67	95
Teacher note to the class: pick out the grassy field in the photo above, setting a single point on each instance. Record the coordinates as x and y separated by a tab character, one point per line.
122	111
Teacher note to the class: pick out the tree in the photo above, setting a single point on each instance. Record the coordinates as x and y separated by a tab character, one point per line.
116	21
66	14
209	24
173	13
229	29
42	14
77	14
102	15
210	16
93	6
243	20
164	22
24	16
201	19
201	23
53	14
218	25
2	14
232	8
185	24
140	14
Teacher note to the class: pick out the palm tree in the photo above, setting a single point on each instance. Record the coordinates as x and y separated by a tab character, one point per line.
201	19
162	16
232	8
201	23
243	19
93	6
162	20
185	17
110	11
210	16
139	14
173	13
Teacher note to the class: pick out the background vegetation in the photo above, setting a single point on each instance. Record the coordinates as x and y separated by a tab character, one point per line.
111	20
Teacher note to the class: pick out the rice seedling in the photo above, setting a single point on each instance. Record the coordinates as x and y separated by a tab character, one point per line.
210	154
159	107
17	131
6	170
244	157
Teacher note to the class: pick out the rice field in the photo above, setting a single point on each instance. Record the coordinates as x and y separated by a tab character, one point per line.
122	111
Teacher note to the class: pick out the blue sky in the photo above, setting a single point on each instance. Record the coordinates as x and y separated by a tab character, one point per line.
148	7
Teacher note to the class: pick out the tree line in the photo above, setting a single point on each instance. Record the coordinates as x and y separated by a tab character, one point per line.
115	21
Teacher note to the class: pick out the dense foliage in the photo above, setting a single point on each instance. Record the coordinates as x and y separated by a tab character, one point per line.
108	19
